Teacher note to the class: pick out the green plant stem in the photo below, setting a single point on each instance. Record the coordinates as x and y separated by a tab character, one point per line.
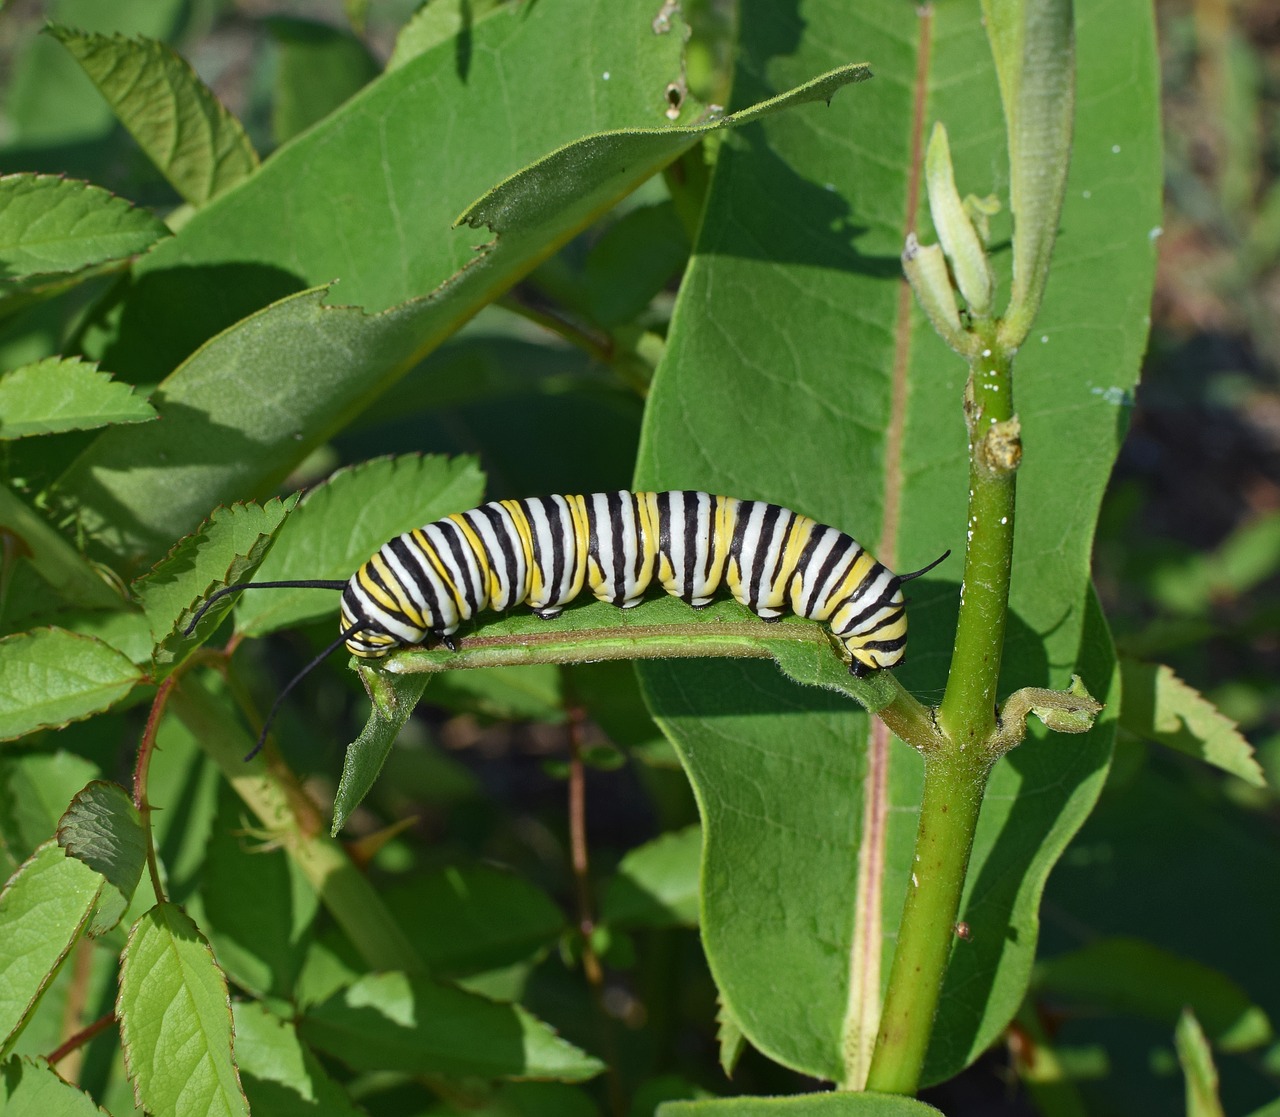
956	769
272	793
967	715
953	787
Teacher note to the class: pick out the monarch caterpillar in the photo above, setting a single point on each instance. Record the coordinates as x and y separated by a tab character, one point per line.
543	551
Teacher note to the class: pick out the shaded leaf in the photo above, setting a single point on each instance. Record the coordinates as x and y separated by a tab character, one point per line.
28	1086
175	1019
258	906
35	788
44	909
1159	706
393	1022
469	919
50	224
184	129
103	829
656	884
1128	975
50	677
281	1077
338	524
65	394
53	557
319	68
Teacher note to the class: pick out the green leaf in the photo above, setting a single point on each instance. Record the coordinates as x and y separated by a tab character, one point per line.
791	325
175	1019
656	884
393	698
341	522
1032	44
439	22
225	550
65	394
729	1039
1197	1065
370	193
1159	706
1128	975
281	1077
258	907
319	68
50	224
44	909
467	920
28	1086
412	1024
184	129
804	1105
52	677
35	788
324	365
103	829
57	562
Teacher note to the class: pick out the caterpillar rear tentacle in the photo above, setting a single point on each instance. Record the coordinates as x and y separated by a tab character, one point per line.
544	551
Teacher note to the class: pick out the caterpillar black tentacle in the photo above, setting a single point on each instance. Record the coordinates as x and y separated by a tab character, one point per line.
544	551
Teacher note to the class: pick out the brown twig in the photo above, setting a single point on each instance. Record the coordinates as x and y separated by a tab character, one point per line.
582	887
146	747
83	1036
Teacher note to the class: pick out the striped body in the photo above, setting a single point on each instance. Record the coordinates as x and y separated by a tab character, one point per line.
543	552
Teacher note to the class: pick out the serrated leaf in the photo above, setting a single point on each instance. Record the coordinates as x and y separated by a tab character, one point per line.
44	909
65	394
28	1086
1128	975
341	522
50	225
50	677
394	1022
184	129
656	884
1197	1065
175	1019
1159	706
393	698
281	1077
225	551
103	829
804	1105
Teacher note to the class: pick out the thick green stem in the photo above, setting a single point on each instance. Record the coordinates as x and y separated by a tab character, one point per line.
967	715
956	770
953	787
